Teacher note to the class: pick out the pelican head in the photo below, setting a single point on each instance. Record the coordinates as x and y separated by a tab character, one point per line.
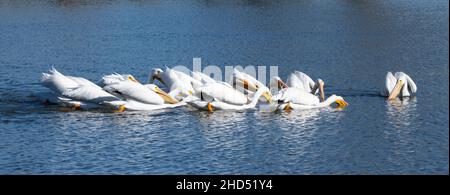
76	106
131	78
116	106
288	107
339	101
210	107
121	108
167	98
156	74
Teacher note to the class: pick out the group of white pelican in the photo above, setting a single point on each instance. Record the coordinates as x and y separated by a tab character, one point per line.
120	92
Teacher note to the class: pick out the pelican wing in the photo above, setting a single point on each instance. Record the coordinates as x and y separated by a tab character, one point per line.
177	94
57	82
83	81
174	82
223	93
112	79
390	82
298	96
412	86
183	76
406	86
90	94
202	77
308	82
76	90
134	91
225	83
201	104
294	81
330	100
300	80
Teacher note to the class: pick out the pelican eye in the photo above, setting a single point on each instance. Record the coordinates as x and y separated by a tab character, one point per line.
131	78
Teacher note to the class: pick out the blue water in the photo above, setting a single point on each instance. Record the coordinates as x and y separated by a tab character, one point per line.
349	44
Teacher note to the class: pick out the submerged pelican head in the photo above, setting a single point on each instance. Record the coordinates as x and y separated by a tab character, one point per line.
339	101
121	108
210	107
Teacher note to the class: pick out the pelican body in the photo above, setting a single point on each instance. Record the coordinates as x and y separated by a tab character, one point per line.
399	85
78	92
300	92
302	81
136	95
221	92
233	103
294	98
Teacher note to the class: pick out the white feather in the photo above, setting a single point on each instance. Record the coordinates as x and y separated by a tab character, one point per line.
131	90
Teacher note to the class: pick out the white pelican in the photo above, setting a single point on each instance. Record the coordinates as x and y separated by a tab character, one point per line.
136	95
179	83
399	84
277	84
330	100
299	98
78	92
302	81
221	92
231	98
294	98
211	90
249	84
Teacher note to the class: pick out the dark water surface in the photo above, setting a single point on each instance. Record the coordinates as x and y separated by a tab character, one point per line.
349	44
